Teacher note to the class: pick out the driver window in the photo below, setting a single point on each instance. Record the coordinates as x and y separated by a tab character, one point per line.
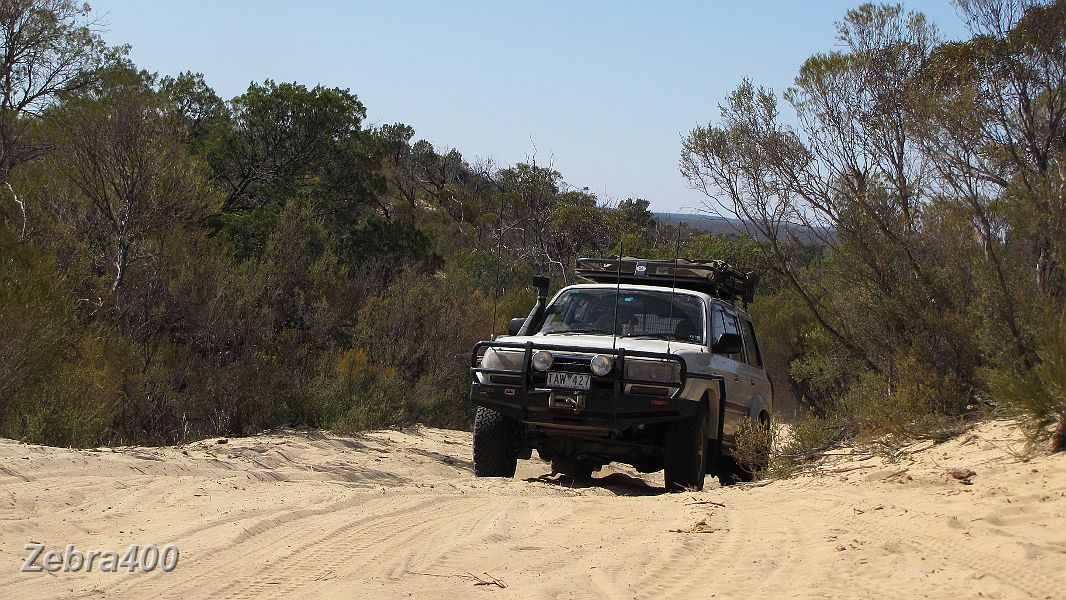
717	325
729	325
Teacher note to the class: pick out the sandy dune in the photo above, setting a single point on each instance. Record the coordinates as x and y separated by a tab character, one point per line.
398	514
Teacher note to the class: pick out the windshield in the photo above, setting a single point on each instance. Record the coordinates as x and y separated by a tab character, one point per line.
647	314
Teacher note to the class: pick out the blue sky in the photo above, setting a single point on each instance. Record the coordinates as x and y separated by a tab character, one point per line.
602	90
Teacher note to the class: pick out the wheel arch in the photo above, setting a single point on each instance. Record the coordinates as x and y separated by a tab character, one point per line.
759	406
712	396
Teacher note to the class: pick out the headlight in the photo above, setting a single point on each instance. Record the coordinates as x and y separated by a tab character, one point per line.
647	370
601	364
510	360
542	360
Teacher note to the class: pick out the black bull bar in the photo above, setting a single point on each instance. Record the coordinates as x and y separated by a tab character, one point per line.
608	407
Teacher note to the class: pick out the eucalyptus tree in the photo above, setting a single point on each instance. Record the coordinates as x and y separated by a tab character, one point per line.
49	48
278	137
122	156
994	121
850	173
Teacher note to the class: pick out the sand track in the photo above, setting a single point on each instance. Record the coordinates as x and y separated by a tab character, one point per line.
398	514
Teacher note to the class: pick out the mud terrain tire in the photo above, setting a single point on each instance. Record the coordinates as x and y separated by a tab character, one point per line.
495	444
685	453
730	473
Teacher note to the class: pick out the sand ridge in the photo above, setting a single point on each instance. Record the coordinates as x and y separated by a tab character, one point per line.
394	514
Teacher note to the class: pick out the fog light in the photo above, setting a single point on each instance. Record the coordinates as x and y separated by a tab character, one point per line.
542	360
601	364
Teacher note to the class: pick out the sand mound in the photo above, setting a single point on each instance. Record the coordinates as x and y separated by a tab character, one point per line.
399	514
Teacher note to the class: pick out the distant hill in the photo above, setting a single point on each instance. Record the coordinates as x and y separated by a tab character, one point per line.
701	222
725	226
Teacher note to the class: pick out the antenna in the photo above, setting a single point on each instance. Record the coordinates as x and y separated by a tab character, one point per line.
617	292
499	252
673	286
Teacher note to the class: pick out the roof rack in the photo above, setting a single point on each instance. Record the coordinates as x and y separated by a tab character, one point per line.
713	277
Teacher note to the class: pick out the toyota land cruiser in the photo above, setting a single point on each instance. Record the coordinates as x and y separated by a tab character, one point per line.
651	363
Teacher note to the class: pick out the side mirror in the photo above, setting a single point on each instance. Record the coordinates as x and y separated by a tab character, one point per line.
515	324
728	343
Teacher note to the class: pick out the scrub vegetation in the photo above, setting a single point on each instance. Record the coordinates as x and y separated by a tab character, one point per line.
178	265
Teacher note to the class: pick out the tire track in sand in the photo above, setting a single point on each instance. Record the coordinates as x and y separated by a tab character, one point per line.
256	549
351	547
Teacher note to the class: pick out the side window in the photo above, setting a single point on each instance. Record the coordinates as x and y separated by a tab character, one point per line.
717	326
729	322
751	345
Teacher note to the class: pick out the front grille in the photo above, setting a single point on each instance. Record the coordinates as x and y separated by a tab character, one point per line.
571	365
575	364
506	379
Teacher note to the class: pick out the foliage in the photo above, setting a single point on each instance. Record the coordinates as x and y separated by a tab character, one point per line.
178	265
932	174
59	384
802	440
50	48
1038	395
753	445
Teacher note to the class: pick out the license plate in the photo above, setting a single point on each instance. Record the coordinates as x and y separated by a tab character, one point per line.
570	381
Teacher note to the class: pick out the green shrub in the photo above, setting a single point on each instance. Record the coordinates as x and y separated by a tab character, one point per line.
1038	395
359	394
918	400
800	441
408	360
59	384
754	442
76	404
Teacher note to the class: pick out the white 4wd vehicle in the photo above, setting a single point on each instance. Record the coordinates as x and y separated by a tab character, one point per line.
652	365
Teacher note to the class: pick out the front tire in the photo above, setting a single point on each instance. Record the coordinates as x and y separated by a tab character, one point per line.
496	440
685	453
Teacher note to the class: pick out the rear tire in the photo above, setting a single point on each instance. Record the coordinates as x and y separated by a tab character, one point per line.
496	441
729	472
685	453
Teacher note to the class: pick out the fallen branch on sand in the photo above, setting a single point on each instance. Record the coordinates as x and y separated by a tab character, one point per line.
743	485
487	580
844	469
700	526
712	502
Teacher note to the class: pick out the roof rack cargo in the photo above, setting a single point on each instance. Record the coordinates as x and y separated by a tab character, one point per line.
712	277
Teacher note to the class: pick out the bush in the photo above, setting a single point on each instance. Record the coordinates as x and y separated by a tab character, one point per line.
409	358
357	393
916	401
791	445
59	384
1038	395
754	442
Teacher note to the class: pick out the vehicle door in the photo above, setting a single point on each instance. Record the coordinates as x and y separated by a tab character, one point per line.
752	377
738	397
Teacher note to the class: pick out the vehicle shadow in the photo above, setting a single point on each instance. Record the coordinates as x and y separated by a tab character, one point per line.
619	484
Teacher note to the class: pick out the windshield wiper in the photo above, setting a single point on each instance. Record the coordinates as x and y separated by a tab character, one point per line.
579	331
663	336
